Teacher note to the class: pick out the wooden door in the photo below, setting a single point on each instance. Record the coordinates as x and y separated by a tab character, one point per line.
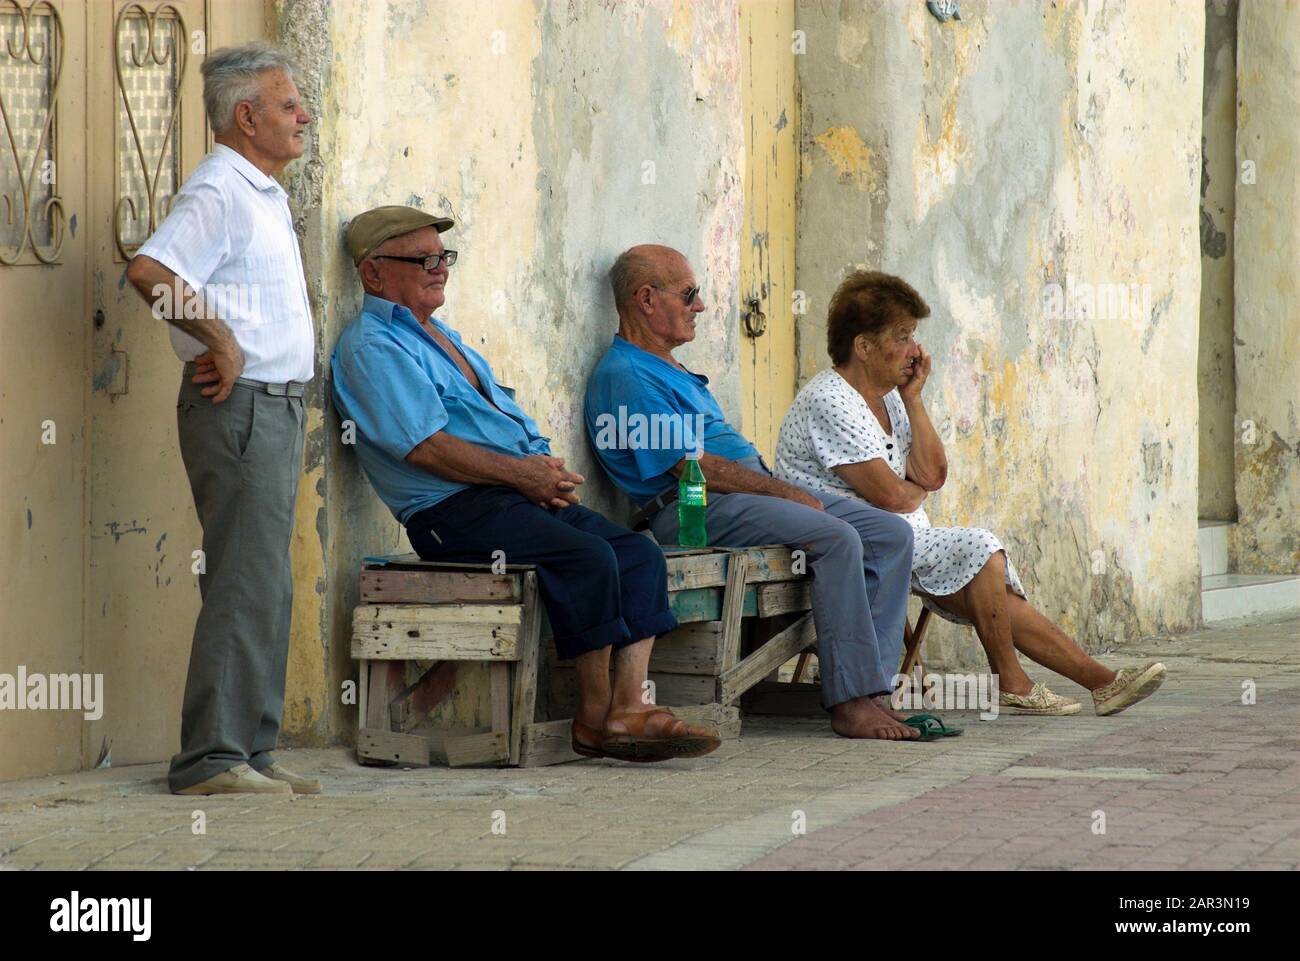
102	119
768	234
43	318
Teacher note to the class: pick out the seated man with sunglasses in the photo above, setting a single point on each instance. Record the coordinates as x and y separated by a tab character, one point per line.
645	413
467	473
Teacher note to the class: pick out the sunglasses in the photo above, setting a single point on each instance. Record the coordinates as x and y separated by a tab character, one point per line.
688	296
430	262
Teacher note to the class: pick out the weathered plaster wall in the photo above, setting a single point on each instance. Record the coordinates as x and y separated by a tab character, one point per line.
984	160
557	135
1267	257
313	708
1217	387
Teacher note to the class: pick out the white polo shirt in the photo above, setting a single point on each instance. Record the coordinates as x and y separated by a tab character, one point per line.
230	234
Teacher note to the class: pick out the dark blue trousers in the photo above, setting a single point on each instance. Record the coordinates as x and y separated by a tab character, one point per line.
602	585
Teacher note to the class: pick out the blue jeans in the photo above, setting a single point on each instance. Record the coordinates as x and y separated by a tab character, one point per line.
601	584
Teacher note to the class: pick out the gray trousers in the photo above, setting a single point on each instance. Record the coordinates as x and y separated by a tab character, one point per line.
243	457
860	559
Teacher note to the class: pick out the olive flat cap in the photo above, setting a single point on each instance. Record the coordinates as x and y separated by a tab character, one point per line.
367	231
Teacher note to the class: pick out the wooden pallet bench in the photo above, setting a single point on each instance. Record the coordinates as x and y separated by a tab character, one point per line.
742	614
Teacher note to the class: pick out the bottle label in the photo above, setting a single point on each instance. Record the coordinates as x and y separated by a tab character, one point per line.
694	495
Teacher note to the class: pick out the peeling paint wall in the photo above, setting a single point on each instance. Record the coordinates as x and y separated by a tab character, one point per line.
1217	383
1267	257
556	134
1034	170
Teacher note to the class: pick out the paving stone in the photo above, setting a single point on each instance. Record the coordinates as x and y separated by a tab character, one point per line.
1189	779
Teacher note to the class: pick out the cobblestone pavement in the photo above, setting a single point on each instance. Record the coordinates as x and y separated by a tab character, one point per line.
1191	778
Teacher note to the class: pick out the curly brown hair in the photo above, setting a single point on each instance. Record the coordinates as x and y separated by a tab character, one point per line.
867	302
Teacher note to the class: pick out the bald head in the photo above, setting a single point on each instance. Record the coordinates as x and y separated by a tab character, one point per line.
643	264
657	298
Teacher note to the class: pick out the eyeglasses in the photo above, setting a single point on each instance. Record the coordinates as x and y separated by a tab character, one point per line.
430	262
688	296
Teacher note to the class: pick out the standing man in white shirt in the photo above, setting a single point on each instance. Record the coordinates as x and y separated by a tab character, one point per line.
224	270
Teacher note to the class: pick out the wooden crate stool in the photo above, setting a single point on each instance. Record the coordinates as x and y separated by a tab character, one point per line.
446	613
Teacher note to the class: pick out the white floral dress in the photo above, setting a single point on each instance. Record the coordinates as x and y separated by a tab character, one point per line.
829	425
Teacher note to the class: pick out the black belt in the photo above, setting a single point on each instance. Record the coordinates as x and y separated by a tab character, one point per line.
641	518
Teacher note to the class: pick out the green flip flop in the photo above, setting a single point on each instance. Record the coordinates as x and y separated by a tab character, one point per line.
931	727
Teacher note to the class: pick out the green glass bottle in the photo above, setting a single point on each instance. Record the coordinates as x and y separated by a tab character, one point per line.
692	499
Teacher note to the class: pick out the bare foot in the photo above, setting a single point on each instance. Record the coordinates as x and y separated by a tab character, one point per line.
883	703
592	717
864	718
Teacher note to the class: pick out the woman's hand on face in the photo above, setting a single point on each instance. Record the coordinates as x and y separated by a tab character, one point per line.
920	373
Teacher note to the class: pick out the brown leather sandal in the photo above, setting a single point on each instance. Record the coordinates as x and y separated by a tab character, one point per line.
590	745
636	745
591	738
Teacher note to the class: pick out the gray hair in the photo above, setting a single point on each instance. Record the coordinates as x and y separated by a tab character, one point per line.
233	74
630	272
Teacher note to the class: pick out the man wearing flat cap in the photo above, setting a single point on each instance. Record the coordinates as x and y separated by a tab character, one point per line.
468	473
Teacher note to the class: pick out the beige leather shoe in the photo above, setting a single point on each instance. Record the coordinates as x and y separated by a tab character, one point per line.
1131	685
240	779
298	783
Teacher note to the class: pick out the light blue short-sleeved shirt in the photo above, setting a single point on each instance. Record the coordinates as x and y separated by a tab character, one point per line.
643	415
393	381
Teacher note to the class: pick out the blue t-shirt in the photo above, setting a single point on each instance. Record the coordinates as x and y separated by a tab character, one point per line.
399	387
643	415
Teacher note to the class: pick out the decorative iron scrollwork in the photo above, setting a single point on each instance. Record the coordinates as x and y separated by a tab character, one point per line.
30	197
150	149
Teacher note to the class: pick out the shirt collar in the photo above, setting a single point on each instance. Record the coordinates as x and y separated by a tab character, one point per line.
388	311
259	180
622	343
385	310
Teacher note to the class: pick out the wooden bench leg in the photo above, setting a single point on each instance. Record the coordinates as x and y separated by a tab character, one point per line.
799	666
363	691
386	682
499	696
733	608
524	703
912	639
